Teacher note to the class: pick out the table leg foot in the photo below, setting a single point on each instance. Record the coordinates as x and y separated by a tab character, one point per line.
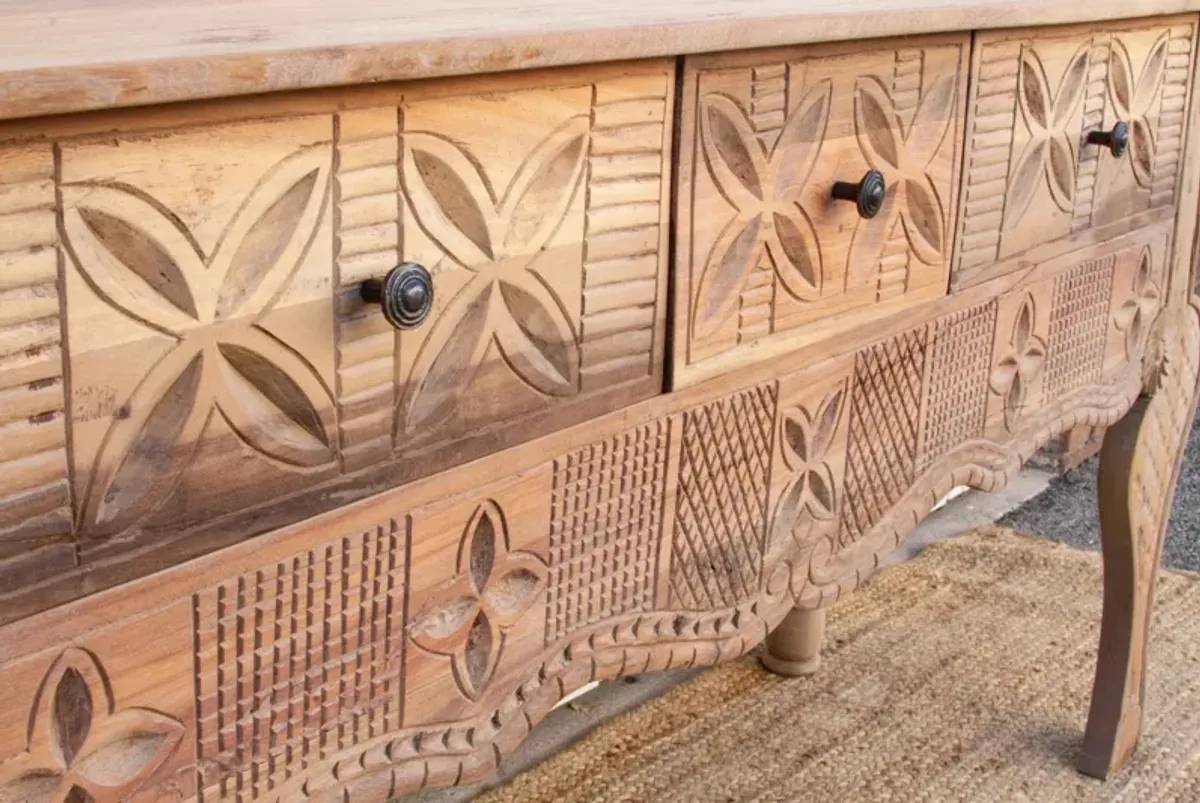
794	647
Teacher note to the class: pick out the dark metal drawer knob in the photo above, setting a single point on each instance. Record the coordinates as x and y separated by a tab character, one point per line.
867	194
1116	140
405	294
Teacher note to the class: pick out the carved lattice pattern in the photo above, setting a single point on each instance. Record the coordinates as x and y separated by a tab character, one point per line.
960	361
720	527
1078	326
607	521
298	662
884	414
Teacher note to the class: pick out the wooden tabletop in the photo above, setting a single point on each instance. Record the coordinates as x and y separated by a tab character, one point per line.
61	56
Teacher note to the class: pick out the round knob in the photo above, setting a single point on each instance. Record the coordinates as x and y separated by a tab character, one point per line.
406	294
867	194
1116	140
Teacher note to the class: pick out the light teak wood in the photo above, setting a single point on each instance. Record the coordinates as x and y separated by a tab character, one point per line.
764	248
215	355
412	640
191	384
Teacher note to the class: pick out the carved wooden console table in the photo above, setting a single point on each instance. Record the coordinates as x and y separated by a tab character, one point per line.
493	349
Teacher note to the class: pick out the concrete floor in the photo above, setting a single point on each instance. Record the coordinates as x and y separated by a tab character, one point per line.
1067	511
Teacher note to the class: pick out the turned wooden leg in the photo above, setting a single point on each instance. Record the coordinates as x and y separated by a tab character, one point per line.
1139	465
794	647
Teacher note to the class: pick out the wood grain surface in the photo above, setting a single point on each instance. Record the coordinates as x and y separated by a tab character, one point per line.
75	55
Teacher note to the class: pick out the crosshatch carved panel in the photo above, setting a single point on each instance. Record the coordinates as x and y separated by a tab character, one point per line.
720	525
1079	326
607	521
765	250
35	496
1031	179
955	406
198	310
885	415
298	661
544	231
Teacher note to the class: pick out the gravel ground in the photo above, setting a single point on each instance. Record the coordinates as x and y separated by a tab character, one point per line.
1066	510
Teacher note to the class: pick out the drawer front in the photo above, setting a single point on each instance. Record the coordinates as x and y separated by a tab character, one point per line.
1033	184
768	259
211	353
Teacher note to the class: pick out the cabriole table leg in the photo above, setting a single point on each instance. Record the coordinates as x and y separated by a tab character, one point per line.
1139	467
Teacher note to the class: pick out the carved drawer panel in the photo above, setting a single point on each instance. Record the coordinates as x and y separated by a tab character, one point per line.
768	259
187	348
1033	183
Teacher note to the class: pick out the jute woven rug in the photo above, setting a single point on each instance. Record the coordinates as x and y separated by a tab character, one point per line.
961	675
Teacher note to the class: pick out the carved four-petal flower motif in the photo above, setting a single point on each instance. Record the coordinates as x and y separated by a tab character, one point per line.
903	155
1132	102
469	617
1020	366
80	749
810	494
144	262
501	241
1050	152
1134	316
763	188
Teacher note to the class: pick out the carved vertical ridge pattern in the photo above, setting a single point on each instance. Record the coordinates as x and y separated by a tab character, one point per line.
892	280
35	502
884	416
960	363
606	522
1094	95
989	146
1079	326
298	661
720	525
1171	113
621	236
366	187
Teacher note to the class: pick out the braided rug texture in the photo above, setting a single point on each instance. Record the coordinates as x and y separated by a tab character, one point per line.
963	675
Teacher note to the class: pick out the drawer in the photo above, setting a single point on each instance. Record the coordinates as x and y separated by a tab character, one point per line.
210	361
1034	185
767	258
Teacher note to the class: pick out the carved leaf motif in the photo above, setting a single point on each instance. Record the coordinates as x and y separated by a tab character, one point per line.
1070	91
820	483
923	220
134	255
450	357
450	198
1141	152
478	654
143	256
537	339
1151	78
512	594
876	123
1025	180
827	419
930	124
542	191
793	244
482	552
1060	173
263	245
734	255
437	625
39	787
131	744
144	453
1034	91
799	142
870	236
71	716
795	440
266	406
732	152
